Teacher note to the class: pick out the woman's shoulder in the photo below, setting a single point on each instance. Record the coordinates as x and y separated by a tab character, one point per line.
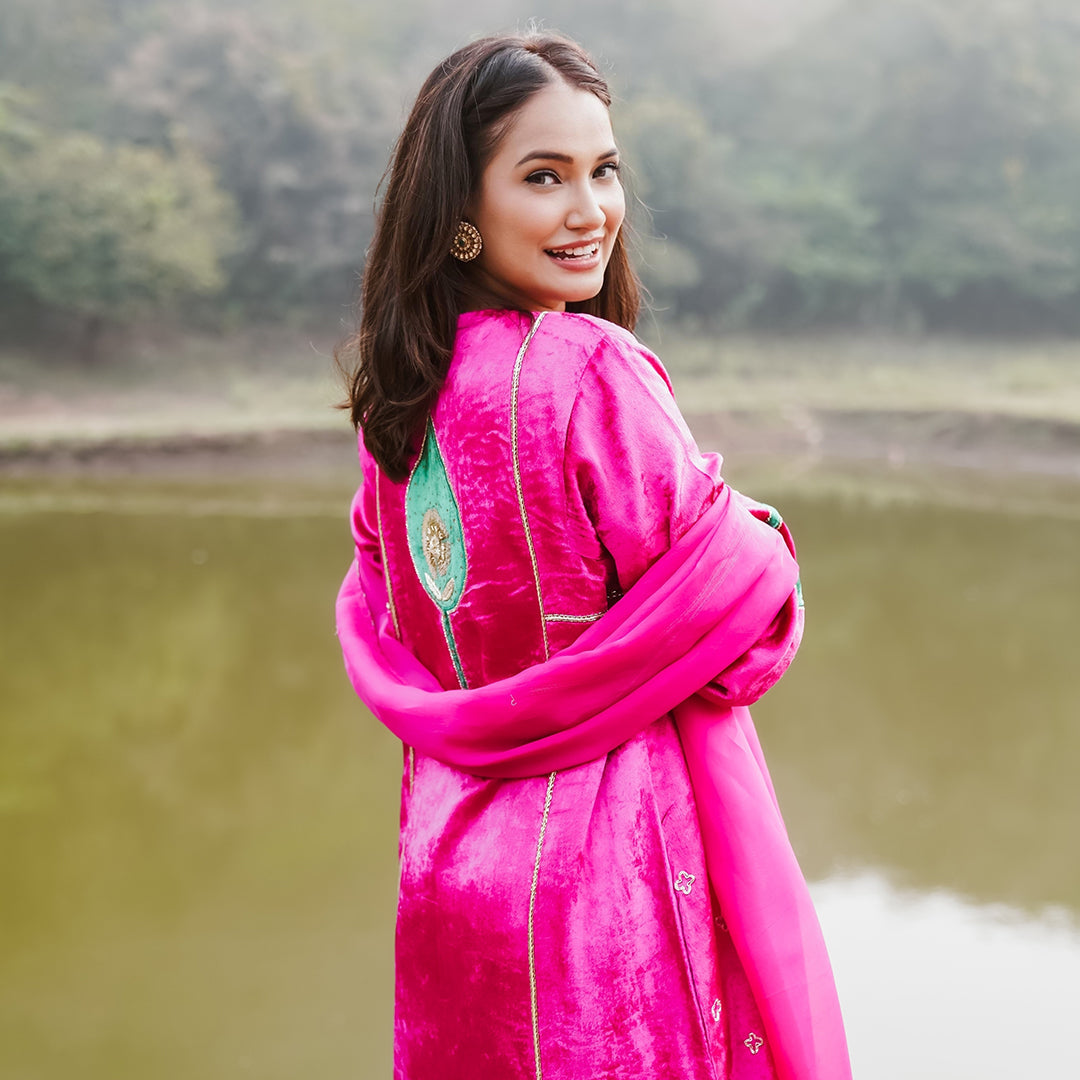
568	353
606	350
582	333
594	334
615	355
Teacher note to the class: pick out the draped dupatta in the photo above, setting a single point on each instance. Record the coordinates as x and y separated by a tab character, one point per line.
707	629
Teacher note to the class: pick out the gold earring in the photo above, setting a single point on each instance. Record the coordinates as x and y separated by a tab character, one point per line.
467	242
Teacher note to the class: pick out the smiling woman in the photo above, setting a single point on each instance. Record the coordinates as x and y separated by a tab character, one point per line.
527	171
562	610
549	205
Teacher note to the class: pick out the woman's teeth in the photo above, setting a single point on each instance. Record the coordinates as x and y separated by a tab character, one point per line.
575	253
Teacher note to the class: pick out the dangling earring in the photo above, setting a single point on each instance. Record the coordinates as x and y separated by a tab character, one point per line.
467	242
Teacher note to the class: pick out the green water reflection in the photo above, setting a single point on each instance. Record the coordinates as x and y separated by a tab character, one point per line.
931	724
197	825
198	821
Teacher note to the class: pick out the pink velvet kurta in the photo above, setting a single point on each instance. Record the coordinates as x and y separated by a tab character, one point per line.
563	925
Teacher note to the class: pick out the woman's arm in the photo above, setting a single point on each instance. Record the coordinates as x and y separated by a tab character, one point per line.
632	468
634	471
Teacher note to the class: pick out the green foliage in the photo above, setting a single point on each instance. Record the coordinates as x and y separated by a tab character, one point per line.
950	136
298	139
815	161
107	232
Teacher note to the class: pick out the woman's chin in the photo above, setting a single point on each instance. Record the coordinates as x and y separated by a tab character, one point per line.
586	291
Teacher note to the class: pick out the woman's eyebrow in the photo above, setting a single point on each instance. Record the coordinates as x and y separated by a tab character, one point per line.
553	155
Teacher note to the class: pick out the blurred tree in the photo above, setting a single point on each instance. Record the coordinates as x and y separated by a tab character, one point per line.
952	128
679	172
740	231
297	139
60	48
108	233
899	162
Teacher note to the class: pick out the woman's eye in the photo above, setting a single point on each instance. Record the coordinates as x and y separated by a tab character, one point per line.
548	177
542	177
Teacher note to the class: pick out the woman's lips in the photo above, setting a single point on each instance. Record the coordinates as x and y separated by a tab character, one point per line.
579	257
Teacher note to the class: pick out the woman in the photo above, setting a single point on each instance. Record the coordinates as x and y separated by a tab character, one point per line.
562	610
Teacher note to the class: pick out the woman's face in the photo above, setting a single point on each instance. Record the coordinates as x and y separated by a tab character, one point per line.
550	203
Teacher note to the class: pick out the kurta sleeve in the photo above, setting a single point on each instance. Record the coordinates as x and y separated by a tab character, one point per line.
632	467
369	562
363	516
635	472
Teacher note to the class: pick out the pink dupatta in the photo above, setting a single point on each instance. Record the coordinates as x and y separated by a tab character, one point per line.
709	627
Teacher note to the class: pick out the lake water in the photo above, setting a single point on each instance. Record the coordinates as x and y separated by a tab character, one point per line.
198	821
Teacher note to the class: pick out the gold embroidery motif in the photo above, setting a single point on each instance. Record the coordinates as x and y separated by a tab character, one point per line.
685	882
442	594
436	541
753	1043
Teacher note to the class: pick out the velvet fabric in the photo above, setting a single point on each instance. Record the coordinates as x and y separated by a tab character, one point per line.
574	771
705	612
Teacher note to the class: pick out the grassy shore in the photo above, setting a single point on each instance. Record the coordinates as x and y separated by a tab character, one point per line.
1031	379
985	404
171	388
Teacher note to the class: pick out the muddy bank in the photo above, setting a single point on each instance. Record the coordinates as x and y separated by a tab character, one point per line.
953	439
299	454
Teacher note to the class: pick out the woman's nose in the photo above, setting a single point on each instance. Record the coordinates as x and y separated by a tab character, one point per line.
586	211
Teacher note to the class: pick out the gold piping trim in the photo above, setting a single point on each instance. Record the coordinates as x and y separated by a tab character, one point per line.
390	601
385	564
517	474
532	937
576	618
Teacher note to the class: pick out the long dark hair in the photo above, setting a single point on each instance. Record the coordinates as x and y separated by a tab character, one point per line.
413	290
